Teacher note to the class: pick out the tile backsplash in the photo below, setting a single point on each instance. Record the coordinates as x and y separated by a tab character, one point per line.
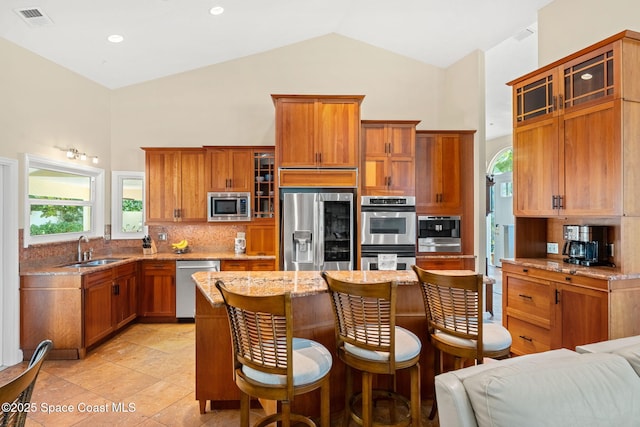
201	237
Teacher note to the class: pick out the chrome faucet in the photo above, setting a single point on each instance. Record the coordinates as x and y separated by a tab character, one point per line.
86	239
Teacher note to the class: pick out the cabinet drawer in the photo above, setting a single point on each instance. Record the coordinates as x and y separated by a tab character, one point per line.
153	267
263	265
527	338
98	277
126	269
528	297
229	265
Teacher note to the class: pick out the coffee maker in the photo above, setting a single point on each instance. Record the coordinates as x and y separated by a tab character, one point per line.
585	245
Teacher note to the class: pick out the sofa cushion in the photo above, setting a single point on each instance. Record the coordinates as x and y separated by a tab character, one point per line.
632	355
579	390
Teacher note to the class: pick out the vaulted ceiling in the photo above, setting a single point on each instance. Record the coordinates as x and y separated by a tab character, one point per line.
164	37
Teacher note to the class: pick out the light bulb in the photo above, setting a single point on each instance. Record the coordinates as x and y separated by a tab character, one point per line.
70	153
83	156
94	160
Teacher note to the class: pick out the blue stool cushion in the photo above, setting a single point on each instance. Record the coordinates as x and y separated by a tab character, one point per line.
408	346
311	361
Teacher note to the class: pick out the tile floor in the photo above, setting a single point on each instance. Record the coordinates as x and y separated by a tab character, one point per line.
148	370
142	377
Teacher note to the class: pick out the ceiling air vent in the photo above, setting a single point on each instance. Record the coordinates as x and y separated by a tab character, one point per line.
34	17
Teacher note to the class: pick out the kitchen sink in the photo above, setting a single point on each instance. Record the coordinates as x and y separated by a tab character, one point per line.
93	262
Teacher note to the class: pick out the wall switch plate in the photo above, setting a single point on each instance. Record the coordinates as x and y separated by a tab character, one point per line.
162	237
552	248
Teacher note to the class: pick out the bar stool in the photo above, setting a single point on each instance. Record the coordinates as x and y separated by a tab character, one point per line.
269	363
367	339
453	305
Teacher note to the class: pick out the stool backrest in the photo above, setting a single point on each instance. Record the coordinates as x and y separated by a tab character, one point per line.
365	314
261	332
453	303
19	390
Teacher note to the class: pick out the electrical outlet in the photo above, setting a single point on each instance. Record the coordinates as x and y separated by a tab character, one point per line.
552	248
162	237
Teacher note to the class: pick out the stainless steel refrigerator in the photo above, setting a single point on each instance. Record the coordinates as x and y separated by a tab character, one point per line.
317	231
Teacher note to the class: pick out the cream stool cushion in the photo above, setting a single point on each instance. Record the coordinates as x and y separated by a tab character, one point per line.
408	346
311	361
495	337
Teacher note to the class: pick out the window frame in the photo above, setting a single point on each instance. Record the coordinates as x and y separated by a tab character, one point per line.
116	203
97	202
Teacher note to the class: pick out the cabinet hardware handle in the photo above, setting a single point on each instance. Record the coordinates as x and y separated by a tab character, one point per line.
526	338
319	157
529	297
554	102
561	103
557	296
567	278
525	270
554	202
560	202
389	182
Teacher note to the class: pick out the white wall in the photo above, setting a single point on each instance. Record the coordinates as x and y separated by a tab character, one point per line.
566	26
44	106
230	103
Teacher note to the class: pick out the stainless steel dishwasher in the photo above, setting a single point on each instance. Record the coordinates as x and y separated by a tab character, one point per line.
186	287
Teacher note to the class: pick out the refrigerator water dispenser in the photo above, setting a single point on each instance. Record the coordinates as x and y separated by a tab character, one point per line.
302	249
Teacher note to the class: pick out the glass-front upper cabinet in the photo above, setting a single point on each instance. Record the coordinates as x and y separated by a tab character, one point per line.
264	168
586	79
592	76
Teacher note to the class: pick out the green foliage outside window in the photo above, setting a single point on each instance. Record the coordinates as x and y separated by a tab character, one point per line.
504	162
130	205
65	219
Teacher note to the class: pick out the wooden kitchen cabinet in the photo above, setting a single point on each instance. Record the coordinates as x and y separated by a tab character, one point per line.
125	294
573	120
264	178
261	238
76	311
231	168
317	131
176	181
157	291
444	172
546	310
98	320
248	265
388	157
109	300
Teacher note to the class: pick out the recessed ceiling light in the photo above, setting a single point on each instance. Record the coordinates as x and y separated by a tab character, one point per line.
115	38
216	10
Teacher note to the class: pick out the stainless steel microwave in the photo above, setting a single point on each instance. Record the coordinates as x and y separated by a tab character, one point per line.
229	206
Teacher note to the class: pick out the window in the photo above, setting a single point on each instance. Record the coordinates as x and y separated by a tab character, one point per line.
62	201
127	205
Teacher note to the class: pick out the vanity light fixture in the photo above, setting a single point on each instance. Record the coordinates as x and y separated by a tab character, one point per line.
216	10
74	154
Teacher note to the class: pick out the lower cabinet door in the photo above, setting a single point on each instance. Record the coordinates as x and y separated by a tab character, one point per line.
97	307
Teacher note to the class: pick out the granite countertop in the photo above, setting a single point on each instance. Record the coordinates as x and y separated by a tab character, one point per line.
603	273
63	269
299	283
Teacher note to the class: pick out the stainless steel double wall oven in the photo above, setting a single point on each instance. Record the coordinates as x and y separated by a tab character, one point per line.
388	226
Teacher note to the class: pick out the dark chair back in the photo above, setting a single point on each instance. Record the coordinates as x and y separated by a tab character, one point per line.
18	391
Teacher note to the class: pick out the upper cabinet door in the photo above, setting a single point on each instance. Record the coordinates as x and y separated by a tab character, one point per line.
162	184
317	132
536	172
535	97
444	168
338	133
295	132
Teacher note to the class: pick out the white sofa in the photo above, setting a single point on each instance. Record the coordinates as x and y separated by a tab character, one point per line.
593	386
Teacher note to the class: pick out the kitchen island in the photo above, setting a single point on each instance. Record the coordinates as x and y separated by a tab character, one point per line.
313	319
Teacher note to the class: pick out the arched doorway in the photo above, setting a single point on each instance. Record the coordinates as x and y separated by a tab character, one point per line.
500	222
